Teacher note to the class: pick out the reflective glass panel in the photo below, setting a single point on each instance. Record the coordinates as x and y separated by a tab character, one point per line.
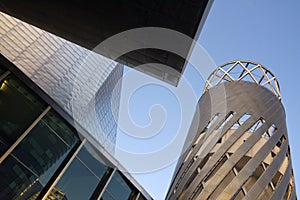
2	70
19	107
118	188
82	176
37	157
16	179
62	129
141	197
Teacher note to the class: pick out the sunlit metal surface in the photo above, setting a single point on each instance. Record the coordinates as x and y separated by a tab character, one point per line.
240	147
61	68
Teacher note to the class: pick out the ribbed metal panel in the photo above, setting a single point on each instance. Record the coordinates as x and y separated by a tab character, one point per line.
68	73
240	150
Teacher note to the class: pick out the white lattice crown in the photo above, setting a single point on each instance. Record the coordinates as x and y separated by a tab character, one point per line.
243	70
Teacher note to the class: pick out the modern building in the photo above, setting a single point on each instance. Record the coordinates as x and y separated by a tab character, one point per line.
59	99
44	157
87	24
107	103
47	151
238	147
64	71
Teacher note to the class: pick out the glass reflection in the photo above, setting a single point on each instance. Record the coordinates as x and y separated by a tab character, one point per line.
83	175
118	188
1	70
141	197
16	178
19	107
35	159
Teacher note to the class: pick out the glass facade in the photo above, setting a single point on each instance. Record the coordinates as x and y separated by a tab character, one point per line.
70	74
118	188
41	155
83	175
18	108
1	71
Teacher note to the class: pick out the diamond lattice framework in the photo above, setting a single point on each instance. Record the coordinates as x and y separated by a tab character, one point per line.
243	70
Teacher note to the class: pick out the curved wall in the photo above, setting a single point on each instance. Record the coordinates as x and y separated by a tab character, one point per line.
240	149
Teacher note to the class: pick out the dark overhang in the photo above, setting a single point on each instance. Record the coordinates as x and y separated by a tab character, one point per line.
88	23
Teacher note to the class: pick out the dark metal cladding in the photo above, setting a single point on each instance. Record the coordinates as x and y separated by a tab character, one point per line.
88	23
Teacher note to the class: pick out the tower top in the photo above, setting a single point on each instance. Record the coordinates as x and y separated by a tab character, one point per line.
244	70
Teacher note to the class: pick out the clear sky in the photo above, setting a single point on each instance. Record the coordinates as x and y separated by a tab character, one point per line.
263	31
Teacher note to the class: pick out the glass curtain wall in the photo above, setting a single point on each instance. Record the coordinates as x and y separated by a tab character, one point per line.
41	152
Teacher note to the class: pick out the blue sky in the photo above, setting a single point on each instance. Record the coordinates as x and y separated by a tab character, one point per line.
266	32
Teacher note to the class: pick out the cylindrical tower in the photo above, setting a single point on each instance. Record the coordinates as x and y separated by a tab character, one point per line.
239	149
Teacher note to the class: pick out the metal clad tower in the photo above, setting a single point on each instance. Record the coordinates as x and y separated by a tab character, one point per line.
240	149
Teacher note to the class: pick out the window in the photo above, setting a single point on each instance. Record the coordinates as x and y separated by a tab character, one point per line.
83	175
32	163
2	71
19	107
118	188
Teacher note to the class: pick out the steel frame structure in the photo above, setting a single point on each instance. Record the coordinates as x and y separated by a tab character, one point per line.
244	70
241	152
